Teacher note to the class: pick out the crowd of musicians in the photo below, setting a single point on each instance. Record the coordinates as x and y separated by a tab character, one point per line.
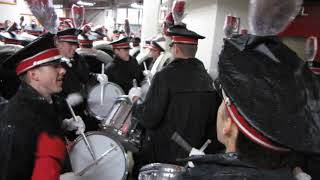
261	113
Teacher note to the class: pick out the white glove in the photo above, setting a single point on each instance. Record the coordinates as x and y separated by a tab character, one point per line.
147	73
300	175
135	92
74	99
102	78
194	152
71	124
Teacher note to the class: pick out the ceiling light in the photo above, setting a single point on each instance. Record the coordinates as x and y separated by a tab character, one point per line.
136	5
86	3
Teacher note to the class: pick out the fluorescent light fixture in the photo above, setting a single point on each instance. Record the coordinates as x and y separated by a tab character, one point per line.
137	6
86	3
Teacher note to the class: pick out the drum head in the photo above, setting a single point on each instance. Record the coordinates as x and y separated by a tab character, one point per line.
113	165
99	104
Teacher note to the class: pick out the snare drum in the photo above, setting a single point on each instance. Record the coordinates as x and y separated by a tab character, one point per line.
119	124
119	116
112	165
101	99
159	171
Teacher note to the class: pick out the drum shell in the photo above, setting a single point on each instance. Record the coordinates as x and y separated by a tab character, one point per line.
119	116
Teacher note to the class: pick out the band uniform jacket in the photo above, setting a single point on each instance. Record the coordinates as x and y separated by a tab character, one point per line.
77	76
32	146
181	99
227	166
123	72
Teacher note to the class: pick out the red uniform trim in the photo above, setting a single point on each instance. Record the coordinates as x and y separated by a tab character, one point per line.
184	40
248	130
68	38
121	45
11	41
85	42
50	154
40	58
315	70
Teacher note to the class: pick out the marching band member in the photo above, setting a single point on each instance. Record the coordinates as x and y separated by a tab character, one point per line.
33	145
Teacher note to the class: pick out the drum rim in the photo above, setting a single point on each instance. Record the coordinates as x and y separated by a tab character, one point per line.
114	139
98	117
159	166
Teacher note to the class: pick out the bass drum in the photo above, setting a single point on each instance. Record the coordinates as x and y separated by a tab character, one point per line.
101	99
111	160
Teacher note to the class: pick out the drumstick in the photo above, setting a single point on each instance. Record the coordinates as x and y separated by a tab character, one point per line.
145	67
181	142
95	161
205	145
102	86
82	133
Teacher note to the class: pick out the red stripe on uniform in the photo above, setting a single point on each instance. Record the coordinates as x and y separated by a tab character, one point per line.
121	45
36	59
315	70
250	132
68	38
184	40
12	41
85	42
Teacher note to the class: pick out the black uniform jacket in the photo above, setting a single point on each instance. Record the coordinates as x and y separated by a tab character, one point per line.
123	72
76	77
24	118
181	99
228	166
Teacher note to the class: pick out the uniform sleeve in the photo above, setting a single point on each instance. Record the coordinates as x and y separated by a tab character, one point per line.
156	102
49	155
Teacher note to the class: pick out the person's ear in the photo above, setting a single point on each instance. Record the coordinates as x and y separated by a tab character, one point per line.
33	74
177	49
227	124
230	129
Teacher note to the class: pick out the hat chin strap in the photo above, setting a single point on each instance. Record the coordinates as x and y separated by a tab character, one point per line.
247	129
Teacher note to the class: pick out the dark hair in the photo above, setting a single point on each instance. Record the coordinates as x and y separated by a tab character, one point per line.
260	156
188	50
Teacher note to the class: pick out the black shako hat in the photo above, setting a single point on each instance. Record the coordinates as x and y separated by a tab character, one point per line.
86	39
69	35
121	43
39	52
181	35
10	38
270	94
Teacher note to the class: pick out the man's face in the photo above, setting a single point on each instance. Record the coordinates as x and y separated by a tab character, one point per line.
154	53
67	49
122	53
115	36
50	77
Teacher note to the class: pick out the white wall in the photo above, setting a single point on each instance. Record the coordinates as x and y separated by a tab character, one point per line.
150	23
12	12
96	16
237	8
201	17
